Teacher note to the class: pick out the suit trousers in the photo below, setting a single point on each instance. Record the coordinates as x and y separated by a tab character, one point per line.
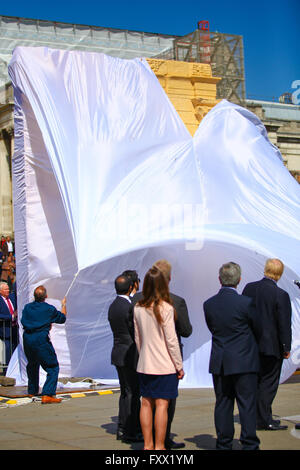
268	382
243	388
129	402
39	351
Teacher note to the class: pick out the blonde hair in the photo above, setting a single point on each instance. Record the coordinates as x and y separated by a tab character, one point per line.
165	267
274	268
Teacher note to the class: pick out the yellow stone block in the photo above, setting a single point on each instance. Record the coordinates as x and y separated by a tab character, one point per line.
180	84
190	87
188	118
182	104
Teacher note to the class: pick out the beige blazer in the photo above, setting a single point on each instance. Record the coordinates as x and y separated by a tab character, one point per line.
157	344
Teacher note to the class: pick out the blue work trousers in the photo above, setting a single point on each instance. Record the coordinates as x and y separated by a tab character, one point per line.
40	352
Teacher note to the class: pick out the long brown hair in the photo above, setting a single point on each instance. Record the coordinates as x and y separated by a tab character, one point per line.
155	290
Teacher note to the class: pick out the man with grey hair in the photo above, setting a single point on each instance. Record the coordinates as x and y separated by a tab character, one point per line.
234	359
8	320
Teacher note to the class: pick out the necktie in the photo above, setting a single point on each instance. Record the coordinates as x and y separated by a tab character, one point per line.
10	307
12	312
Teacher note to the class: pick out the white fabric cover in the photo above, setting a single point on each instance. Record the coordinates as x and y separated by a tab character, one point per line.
106	177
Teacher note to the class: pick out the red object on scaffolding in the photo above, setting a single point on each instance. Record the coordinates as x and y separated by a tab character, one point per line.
203	25
204	41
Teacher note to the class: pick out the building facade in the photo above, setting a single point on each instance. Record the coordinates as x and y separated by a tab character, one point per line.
282	122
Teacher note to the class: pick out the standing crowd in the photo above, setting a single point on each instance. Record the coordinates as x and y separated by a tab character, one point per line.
7	262
251	336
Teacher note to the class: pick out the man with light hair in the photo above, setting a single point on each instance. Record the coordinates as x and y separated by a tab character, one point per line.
274	307
183	329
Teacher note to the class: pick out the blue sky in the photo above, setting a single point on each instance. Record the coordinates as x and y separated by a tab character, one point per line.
270	29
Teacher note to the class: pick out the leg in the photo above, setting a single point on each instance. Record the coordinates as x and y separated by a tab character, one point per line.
246	391
129	405
146	418
268	382
171	412
7	350
224	406
32	368
160	422
48	360
122	399
50	384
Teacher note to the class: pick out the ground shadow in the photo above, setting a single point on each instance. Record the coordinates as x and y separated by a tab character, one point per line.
111	428
208	442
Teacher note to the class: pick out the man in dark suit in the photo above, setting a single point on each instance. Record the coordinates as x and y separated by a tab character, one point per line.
8	320
234	359
124	357
274	307
183	329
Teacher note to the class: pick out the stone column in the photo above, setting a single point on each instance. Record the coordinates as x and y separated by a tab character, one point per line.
6	206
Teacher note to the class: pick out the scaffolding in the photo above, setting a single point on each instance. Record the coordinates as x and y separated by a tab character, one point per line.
225	54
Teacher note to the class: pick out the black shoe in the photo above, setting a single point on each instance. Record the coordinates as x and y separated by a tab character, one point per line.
272	427
120	435
276	422
174	445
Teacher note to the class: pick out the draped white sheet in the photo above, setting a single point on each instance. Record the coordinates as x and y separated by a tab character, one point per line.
106	177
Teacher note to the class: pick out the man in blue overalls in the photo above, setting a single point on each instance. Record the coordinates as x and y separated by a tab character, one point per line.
37	318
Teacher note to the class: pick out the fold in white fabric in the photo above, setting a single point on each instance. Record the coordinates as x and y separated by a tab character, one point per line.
106	177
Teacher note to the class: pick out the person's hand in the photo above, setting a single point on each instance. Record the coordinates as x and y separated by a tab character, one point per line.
64	302
286	355
180	374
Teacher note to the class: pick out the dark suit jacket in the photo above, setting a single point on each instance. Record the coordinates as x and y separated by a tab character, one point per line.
182	325
5	315
120	317
274	307
234	325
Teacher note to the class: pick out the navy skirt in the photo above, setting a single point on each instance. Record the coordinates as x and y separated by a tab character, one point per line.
158	386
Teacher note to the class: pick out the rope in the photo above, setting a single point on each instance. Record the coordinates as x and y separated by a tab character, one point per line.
72	283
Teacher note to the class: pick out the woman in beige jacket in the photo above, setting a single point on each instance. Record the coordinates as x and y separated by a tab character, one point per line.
160	361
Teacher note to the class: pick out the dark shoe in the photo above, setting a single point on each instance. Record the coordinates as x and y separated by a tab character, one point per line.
272	427
120	435
47	399
297	426
276	422
174	445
